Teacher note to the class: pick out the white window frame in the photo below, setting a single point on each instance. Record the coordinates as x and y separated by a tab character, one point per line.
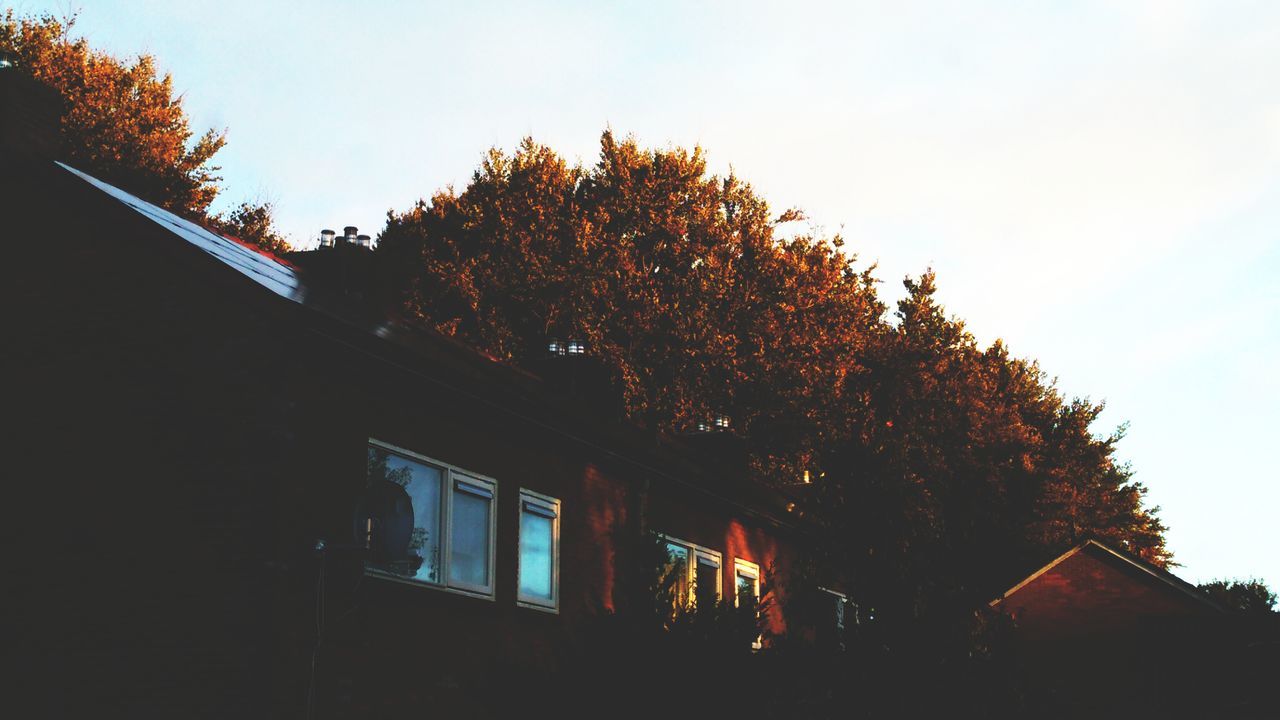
694	551
752	570
546	502
451	475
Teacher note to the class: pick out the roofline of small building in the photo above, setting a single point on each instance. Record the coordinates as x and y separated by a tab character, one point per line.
1164	576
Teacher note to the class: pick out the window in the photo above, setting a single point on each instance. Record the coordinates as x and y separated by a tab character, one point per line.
695	572
436	521
840	600
747	590
836	628
539	551
746	584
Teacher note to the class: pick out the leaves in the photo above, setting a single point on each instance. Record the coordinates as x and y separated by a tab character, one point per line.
252	223
123	123
944	470
1251	597
673	278
970	471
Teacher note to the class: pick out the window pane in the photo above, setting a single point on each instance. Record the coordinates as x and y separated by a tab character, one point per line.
746	590
708	586
677	571
406	495
536	537
469	543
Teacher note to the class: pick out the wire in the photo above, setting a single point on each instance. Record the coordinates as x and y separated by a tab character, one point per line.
315	652
321	624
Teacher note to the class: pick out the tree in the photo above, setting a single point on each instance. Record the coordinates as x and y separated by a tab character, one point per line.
252	223
1251	597
969	470
125	125
942	470
673	277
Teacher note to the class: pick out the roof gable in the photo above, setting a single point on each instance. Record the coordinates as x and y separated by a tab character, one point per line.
268	272
1135	567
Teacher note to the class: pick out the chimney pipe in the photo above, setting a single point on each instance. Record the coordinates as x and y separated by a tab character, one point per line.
349	233
326	238
364	241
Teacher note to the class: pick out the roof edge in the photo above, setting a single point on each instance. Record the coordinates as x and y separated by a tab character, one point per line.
1163	576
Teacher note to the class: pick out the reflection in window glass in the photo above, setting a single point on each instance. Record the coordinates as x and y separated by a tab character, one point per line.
677	573
831	633
535	556
538	518
692	574
707	582
746	590
405	495
469	542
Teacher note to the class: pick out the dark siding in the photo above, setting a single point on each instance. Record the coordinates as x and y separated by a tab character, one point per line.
184	438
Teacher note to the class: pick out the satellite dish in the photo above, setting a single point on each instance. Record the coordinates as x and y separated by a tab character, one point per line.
383	524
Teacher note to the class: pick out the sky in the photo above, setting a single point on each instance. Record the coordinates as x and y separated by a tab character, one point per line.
1096	183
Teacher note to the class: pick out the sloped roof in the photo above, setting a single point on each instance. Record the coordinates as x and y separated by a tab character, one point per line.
488	381
1143	567
268	272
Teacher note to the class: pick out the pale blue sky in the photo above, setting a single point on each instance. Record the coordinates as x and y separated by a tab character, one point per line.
1097	183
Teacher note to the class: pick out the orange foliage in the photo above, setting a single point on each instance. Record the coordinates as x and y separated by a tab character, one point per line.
124	123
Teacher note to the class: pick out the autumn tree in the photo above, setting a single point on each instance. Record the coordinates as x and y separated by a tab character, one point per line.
674	277
942	470
123	121
252	223
125	124
970	469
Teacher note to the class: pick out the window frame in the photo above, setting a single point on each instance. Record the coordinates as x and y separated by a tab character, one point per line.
451	475
752	570
694	551
842	600
554	505
742	566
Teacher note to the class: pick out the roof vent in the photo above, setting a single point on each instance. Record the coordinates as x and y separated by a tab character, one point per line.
349	234
326	238
557	347
364	241
716	423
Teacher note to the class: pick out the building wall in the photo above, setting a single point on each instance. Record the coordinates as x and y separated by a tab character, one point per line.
188	441
1091	593
149	436
384	637
1096	636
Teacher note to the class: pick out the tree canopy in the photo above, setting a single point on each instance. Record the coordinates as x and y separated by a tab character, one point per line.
125	124
252	223
1251	597
943	469
969	470
674	278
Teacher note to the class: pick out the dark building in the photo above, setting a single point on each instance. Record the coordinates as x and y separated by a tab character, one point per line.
1092	590
243	488
1099	632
